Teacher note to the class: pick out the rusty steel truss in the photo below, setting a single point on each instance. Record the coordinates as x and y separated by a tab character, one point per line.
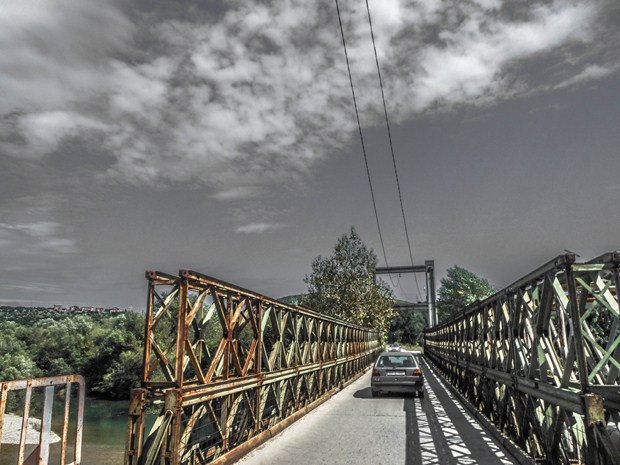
541	359
224	367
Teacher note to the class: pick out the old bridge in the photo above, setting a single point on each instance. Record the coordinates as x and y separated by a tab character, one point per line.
225	369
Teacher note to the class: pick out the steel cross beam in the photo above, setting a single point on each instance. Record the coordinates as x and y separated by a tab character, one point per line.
225	366
429	271
541	359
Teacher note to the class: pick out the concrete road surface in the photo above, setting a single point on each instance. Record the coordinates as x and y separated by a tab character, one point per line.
352	428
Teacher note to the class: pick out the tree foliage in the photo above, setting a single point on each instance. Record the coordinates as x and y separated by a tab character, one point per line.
459	289
105	349
343	285
407	327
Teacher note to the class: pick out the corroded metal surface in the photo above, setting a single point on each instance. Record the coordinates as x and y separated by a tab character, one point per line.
223	364
541	359
42	391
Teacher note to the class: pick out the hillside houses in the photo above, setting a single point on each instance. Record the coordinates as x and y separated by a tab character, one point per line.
30	315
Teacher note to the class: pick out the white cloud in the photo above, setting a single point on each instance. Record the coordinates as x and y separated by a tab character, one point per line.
259	228
237	192
55	52
472	62
590	73
46	130
262	95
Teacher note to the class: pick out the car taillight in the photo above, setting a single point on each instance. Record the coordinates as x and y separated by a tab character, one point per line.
417	372
376	373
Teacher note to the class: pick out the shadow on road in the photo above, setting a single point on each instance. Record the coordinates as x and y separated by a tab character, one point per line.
413	454
365	393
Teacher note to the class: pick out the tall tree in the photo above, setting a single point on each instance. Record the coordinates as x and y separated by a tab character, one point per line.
458	289
343	285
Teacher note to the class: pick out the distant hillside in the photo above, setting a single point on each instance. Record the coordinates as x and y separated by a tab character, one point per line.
29	315
292	300
296	298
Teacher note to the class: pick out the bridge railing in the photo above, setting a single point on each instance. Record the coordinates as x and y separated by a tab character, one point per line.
31	442
224	367
541	359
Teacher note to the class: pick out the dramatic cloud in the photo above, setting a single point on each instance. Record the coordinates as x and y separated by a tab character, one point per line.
259	94
55	52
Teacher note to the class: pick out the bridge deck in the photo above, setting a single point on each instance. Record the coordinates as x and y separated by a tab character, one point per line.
354	428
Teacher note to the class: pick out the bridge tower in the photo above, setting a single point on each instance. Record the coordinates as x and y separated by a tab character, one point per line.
429	271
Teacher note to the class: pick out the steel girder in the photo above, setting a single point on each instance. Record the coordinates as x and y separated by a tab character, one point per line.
224	365
541	359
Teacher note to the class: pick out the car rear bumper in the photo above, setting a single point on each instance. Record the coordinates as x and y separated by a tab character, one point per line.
397	388
394	386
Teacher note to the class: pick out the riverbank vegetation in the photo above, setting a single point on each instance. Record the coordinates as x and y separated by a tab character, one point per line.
105	349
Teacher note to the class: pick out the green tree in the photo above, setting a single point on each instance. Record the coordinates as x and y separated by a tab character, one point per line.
459	289
124	374
113	362
343	285
15	361
407	327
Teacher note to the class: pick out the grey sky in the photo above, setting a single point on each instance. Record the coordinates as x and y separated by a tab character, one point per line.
220	136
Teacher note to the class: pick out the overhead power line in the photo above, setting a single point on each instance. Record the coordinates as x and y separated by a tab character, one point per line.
359	126
389	132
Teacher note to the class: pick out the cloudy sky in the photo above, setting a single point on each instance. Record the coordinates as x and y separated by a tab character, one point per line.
220	136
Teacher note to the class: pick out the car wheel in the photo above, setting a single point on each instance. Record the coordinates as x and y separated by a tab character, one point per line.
374	393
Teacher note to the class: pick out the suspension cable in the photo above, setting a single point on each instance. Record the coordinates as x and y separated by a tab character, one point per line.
389	132
359	126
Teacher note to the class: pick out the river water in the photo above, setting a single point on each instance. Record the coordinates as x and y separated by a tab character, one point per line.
103	439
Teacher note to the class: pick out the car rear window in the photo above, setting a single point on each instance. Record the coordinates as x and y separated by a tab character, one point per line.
392	361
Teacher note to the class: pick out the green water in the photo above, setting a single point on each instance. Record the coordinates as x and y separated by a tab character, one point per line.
105	431
103	438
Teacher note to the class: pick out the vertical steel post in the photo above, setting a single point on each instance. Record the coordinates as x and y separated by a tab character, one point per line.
430	292
258	365
591	454
147	329
26	415
4	390
46	426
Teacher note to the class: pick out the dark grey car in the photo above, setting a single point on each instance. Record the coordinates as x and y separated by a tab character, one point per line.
397	372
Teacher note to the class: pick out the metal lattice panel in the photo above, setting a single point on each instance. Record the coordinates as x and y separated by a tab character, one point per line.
541	359
223	365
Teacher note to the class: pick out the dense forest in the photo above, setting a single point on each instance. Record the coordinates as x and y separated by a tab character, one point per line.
104	348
